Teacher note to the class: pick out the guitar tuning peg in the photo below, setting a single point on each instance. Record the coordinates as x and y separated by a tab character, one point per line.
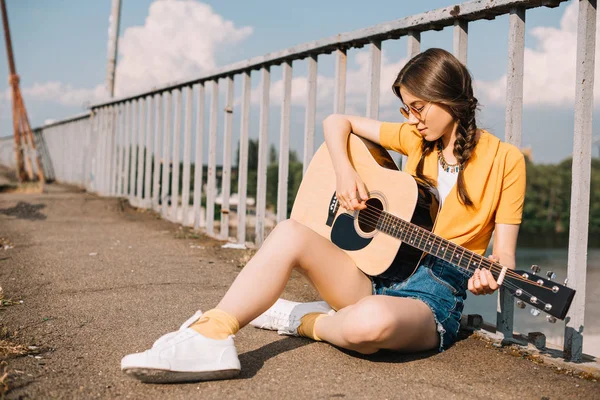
535	312
566	281
550	319
550	275
520	304
535	269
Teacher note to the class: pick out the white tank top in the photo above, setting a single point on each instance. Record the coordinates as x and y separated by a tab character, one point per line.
446	180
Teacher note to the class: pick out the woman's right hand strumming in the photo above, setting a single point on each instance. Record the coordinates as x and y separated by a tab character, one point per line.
350	190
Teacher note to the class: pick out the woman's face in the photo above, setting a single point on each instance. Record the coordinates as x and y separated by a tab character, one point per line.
435	119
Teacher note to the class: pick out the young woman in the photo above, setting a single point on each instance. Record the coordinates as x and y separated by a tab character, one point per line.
481	182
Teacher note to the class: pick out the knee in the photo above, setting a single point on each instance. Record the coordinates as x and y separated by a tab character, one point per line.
291	235
368	323
286	229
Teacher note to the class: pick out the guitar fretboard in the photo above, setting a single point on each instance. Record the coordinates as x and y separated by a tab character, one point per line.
428	242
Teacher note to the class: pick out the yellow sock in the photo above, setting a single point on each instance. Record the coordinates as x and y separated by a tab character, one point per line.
307	325
216	324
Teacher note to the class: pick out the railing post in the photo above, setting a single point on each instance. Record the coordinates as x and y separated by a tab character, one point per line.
149	152
226	171
581	173
158	146
167	133
339	94
212	159
92	151
66	132
101	150
515	72
114	134
140	152
187	139
133	115
82	153
120	152
110	124
374	79
263	147
512	134
128	149
243	158
199	159
460	43
413	48
311	110
176	159
284	143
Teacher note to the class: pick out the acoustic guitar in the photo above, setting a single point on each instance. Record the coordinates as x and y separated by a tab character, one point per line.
390	236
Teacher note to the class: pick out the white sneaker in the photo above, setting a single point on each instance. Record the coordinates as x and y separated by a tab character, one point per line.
186	356
284	316
185	325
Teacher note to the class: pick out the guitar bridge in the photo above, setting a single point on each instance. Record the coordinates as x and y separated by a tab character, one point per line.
334	204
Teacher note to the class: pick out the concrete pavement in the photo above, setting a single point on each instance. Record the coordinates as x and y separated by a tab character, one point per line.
99	279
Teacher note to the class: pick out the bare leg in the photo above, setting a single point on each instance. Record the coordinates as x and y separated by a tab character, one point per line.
381	322
292	245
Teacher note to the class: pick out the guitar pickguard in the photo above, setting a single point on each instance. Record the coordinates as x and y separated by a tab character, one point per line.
344	235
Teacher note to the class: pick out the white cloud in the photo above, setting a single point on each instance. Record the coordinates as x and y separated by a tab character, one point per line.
64	94
549	69
57	92
356	85
178	40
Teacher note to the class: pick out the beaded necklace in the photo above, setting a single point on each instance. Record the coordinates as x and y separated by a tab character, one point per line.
452	168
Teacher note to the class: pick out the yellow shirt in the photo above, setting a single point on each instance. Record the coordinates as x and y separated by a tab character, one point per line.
494	178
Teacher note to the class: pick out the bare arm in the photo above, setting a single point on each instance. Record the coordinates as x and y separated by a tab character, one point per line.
336	129
505	244
504	252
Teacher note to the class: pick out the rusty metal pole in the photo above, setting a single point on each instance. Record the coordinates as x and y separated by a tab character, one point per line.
11	79
25	149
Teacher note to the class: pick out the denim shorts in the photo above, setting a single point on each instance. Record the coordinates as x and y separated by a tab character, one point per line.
438	284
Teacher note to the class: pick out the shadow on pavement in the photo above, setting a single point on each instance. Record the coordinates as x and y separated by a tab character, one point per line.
254	360
25	211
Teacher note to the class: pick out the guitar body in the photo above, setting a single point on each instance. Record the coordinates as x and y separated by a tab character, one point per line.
389	237
356	233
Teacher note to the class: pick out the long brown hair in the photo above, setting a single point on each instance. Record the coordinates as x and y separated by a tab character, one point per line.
436	75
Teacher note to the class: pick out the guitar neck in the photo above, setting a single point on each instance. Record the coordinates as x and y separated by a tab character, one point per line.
430	243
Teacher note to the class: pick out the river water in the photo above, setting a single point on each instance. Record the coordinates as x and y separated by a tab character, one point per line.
553	259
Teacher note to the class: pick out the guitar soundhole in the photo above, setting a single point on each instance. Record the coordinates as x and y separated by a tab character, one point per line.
368	218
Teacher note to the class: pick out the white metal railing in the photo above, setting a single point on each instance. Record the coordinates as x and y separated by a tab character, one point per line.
7	152
125	146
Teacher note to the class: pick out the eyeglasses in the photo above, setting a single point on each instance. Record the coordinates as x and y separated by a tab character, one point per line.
406	110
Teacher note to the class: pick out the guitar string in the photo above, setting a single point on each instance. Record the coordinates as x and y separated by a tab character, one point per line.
508	284
377	218
414	235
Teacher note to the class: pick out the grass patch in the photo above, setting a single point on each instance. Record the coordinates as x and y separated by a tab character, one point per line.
24	187
6	302
3	379
187	233
9	349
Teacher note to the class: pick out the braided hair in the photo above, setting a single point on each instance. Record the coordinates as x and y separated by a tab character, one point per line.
436	75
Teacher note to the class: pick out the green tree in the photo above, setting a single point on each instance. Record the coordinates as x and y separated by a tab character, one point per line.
294	179
548	198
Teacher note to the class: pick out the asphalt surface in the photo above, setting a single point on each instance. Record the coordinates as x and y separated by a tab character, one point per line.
99	279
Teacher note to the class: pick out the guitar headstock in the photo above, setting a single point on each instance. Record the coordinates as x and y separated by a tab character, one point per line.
541	293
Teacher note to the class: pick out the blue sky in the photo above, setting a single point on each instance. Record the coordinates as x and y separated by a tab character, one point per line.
60	52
